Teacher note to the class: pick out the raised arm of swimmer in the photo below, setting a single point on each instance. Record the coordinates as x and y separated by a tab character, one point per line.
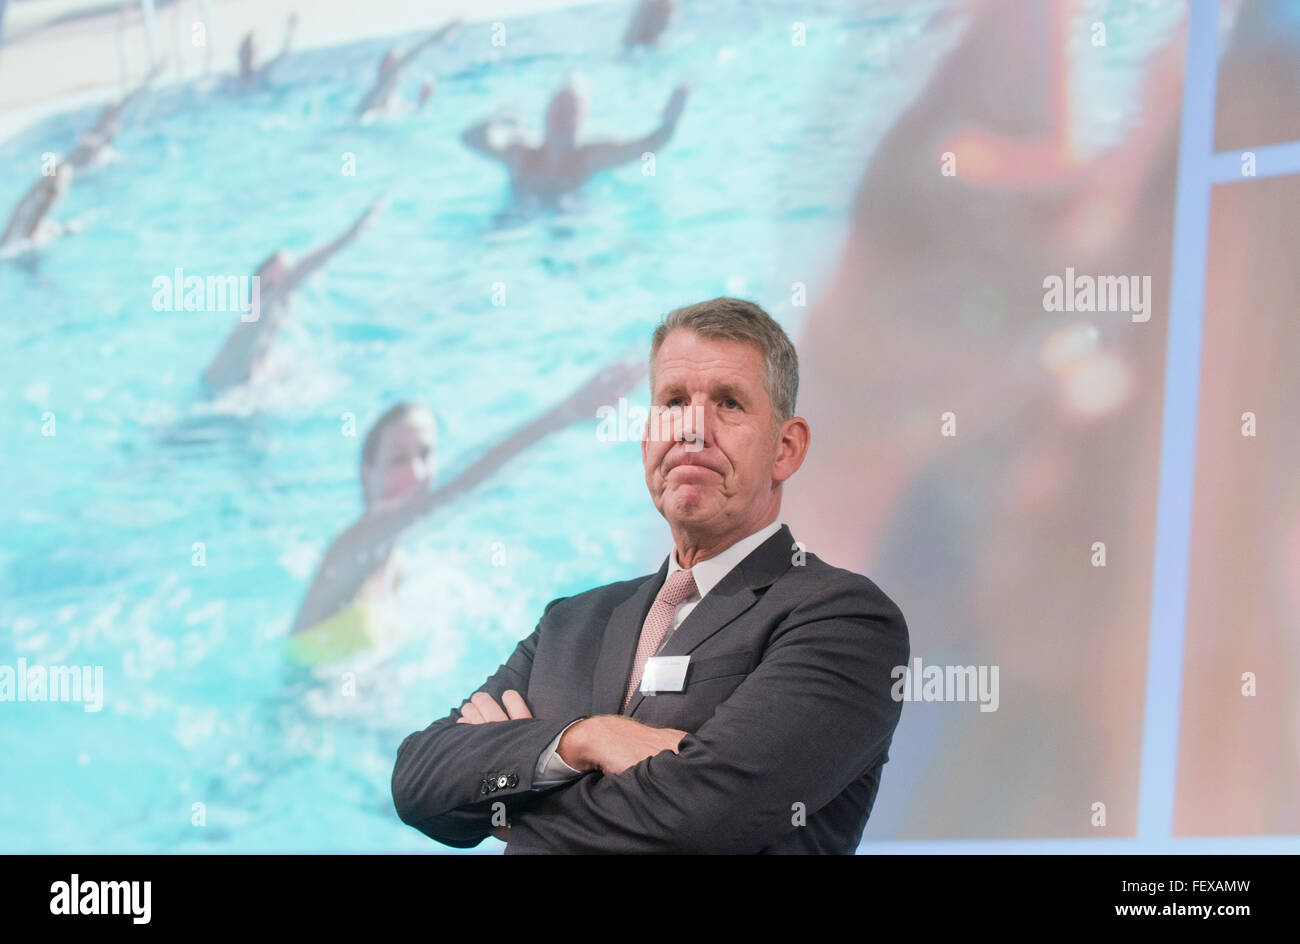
602	155
478	137
249	342
29	217
359	551
97	141
393	66
112	113
290	25
317	258
441	35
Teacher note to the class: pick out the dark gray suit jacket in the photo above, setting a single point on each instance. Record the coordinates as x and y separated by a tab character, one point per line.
787	701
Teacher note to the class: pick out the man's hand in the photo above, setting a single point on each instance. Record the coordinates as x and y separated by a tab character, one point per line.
482	708
612	743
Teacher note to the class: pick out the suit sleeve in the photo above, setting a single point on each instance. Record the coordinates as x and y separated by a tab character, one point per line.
449	776
814	714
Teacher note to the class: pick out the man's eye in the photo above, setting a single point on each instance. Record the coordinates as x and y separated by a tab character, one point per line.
731	402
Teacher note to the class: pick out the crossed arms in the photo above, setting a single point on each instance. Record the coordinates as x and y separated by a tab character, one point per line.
806	722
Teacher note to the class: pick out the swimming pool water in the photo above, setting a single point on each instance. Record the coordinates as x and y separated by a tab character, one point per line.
97	536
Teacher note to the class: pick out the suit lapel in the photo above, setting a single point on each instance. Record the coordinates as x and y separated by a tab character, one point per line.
618	647
732	596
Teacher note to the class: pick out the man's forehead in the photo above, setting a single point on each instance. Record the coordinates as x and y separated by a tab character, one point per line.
735	364
706	378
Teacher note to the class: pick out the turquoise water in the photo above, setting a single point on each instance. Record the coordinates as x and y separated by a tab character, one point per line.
96	557
97	535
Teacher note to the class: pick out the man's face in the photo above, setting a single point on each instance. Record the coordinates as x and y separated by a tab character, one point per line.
709	464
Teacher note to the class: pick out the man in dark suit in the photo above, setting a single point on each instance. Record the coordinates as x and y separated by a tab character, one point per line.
739	700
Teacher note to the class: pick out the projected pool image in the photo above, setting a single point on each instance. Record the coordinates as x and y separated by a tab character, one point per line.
167	531
325	371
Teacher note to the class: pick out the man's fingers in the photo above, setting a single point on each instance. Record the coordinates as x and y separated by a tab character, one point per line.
672	739
488	706
515	705
482	708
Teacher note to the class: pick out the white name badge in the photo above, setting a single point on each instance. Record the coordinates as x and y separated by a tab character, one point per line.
664	674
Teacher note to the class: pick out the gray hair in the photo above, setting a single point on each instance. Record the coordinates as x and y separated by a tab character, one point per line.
735	319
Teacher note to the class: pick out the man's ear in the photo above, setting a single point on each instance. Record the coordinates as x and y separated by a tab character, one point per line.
794	439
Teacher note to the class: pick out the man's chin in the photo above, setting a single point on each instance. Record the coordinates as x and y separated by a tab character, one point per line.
690	511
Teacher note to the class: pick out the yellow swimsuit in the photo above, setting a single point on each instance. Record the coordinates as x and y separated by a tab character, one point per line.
349	631
368	620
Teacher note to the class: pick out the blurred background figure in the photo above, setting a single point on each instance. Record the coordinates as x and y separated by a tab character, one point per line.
96	145
984	533
383	99
252	71
30	225
343	611
559	164
648	23
244	355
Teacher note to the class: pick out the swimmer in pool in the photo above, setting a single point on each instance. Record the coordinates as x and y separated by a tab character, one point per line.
251	71
96	145
243	356
382	99
30	223
560	164
363	566
648	23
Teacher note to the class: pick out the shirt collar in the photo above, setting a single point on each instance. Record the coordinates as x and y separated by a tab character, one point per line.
709	572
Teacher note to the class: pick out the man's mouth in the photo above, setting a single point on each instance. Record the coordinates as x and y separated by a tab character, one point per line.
692	467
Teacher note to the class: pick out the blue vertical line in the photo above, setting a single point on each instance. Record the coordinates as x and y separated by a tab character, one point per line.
1159	774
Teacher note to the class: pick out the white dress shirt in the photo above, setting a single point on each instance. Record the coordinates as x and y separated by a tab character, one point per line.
551	769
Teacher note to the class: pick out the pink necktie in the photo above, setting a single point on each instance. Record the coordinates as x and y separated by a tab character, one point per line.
679	585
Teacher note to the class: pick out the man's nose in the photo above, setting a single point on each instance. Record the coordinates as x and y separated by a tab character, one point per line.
696	425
